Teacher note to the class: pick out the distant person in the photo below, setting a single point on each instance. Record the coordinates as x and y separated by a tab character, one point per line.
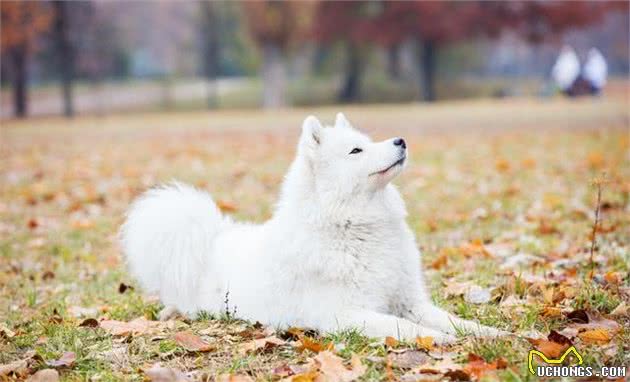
566	70
595	71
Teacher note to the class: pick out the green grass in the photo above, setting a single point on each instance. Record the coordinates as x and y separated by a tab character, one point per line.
485	170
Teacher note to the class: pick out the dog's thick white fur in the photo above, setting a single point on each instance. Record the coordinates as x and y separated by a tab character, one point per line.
337	253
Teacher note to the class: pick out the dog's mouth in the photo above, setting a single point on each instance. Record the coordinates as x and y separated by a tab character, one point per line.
399	162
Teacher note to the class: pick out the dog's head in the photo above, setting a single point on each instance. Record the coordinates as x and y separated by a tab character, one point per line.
344	159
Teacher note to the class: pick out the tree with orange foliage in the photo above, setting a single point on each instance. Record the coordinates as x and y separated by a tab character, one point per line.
275	26
22	24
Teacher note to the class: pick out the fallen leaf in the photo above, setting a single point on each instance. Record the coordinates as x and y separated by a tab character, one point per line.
226	206
595	336
441	261
597	321
391	342
122	288
579	316
333	369
44	375
312	345
446	364
620	310
477	366
191	342
5	331
309	376
16	367
134	327
613	278
549	348
234	378
408	359
262	344
67	359
551	312
558	338
425	343
89	323
157	373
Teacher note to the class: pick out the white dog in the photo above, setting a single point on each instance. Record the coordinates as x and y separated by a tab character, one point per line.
337	253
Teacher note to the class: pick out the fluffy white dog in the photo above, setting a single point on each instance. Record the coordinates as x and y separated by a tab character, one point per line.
337	253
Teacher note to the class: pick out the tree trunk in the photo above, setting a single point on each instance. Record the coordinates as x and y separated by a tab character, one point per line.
427	69
393	61
210	36
274	76
19	79
65	55
351	88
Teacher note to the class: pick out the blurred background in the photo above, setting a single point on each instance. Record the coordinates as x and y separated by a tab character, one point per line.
99	57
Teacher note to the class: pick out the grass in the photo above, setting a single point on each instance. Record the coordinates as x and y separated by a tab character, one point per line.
512	174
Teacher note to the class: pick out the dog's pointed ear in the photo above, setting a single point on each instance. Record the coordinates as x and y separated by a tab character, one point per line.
311	132
341	121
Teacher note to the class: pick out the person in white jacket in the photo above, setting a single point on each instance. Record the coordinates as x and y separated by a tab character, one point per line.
566	69
595	70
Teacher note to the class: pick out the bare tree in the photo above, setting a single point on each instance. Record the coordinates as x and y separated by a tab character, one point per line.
65	53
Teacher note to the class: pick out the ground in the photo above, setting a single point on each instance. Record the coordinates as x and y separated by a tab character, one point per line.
501	196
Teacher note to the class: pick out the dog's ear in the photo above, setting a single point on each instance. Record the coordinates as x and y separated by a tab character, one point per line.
341	121
311	133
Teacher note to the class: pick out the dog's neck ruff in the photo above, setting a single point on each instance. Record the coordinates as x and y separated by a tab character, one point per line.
301	202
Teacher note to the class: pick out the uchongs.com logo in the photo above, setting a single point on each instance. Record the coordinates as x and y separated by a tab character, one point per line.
555	368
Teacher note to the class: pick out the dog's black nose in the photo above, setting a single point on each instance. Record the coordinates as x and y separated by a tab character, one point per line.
400	142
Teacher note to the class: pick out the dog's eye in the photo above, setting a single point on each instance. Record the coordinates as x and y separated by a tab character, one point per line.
356	150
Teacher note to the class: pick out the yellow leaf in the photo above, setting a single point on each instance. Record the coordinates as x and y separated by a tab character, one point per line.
425	343
595	336
391	341
550	312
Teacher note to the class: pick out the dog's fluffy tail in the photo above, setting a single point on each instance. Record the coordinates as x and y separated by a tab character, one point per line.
167	239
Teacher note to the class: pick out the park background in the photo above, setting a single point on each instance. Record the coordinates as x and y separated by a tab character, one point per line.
161	55
518	195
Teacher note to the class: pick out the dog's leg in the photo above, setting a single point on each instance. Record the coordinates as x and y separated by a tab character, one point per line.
375	324
437	318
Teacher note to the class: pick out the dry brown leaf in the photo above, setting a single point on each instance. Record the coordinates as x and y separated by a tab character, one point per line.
44	375
549	348
234	378
67	359
614	278
191	342
157	373
595	336
89	323
408	359
134	327
477	366
309	376
391	341
16	367
444	365
441	261
5	331
332	368
425	343
312	345
226	206
597	321
551	312
262	344
620	310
